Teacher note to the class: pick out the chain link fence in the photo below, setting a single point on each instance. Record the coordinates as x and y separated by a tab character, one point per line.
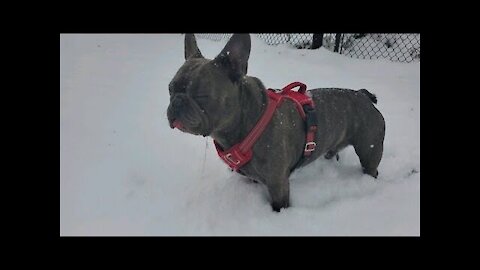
395	47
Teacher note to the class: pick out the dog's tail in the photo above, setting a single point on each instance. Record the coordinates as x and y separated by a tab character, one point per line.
372	97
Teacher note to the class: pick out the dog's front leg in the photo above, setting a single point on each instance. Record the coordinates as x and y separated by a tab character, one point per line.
279	190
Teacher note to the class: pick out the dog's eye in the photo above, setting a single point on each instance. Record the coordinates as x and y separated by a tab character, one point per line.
201	96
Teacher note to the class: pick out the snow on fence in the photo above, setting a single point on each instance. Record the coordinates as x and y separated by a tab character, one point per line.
395	47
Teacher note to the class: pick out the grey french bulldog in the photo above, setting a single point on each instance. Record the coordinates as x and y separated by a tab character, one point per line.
216	98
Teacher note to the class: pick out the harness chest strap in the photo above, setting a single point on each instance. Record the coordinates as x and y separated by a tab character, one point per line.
241	153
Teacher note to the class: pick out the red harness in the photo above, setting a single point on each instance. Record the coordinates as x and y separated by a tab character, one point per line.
241	153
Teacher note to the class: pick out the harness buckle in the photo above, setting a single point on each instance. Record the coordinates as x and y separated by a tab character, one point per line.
230	159
310	146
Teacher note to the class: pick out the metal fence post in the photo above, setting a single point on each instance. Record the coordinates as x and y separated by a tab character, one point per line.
317	41
342	44
337	42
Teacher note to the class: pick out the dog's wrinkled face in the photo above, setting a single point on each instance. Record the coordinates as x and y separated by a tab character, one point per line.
200	95
189	99
204	93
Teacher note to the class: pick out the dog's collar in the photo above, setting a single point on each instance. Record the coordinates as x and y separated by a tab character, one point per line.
241	153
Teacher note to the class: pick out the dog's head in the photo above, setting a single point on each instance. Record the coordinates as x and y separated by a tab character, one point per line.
204	93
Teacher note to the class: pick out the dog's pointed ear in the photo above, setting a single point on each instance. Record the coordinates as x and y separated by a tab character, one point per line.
191	48
234	57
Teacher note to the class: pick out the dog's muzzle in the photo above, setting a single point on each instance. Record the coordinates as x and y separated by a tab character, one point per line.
187	116
176	124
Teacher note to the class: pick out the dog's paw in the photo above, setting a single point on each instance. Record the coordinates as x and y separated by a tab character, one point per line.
278	206
373	173
330	154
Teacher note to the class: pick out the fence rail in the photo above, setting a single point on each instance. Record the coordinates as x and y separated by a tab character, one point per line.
395	47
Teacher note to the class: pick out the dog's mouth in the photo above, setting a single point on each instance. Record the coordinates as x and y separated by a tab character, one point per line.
197	127
189	118
177	124
197	130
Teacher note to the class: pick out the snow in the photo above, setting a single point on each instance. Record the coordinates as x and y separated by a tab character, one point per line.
123	171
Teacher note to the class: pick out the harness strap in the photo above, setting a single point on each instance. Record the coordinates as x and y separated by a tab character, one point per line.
241	153
273	102
311	129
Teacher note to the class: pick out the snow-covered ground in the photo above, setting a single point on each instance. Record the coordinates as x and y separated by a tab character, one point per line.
125	172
